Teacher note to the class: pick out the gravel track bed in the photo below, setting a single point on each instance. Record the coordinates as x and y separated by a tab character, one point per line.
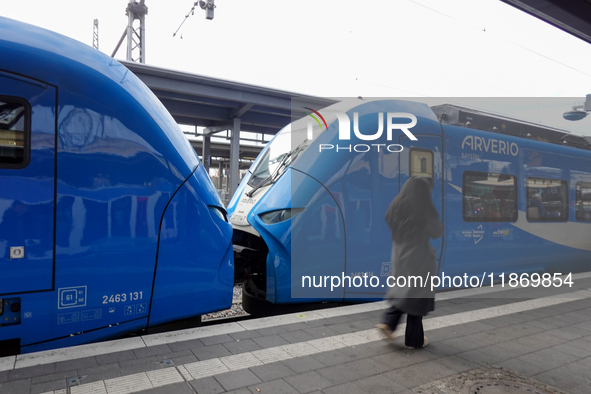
235	310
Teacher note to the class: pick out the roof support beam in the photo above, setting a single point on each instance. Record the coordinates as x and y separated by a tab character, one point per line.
217	128
241	111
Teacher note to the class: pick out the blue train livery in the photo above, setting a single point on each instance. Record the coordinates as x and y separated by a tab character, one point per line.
109	224
514	197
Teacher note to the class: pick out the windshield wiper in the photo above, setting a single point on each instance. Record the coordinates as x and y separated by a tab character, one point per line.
278	171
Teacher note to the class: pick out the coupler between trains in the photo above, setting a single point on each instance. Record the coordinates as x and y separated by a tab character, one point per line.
250	264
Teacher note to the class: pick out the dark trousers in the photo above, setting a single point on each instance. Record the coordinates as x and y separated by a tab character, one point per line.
414	334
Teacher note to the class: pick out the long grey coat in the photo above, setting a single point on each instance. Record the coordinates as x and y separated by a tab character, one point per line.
411	259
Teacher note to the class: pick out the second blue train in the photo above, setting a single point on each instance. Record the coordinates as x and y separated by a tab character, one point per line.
514	197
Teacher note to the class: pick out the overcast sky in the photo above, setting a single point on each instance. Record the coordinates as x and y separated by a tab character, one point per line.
394	48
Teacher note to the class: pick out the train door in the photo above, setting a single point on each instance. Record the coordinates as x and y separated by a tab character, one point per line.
370	184
424	158
27	170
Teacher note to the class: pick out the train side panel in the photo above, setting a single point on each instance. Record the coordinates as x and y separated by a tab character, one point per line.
488	226
27	110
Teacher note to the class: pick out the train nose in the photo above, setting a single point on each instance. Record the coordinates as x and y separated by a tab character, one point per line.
195	263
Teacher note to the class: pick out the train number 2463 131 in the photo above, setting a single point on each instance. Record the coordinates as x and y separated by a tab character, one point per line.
115	298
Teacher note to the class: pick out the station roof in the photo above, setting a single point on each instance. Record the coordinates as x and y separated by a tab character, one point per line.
572	16
212	103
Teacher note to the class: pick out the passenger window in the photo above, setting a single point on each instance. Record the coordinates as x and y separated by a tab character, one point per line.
489	197
421	163
547	200
14	124
583	202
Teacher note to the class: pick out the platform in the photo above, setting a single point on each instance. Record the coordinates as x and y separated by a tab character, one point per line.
485	341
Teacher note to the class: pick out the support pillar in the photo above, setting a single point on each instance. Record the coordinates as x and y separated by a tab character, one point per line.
206	154
234	178
221	177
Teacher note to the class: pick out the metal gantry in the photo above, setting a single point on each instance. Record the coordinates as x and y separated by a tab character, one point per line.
95	35
135	32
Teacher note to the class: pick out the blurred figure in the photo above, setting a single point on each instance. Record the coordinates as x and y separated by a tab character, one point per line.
413	221
536	202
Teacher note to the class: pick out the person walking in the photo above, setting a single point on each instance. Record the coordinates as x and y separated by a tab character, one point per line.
413	221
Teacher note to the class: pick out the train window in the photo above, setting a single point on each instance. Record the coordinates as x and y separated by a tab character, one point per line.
421	163
14	125
583	202
489	197
547	200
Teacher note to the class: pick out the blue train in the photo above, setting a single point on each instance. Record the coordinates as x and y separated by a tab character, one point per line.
109	224
514	197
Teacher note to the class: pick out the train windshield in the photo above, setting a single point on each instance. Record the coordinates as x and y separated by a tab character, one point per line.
280	153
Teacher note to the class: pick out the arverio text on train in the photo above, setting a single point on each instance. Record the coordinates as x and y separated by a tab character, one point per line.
109	224
514	198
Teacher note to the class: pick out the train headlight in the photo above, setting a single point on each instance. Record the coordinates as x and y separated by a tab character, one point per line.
280	215
219	212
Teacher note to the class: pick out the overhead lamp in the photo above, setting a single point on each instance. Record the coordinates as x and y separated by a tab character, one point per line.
574	114
579	111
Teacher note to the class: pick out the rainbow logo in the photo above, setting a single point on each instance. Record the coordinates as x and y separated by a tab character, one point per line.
316	119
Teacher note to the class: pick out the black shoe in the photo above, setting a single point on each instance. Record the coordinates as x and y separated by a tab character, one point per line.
425	343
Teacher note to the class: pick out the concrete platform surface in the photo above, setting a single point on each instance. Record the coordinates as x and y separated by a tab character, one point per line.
482	341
